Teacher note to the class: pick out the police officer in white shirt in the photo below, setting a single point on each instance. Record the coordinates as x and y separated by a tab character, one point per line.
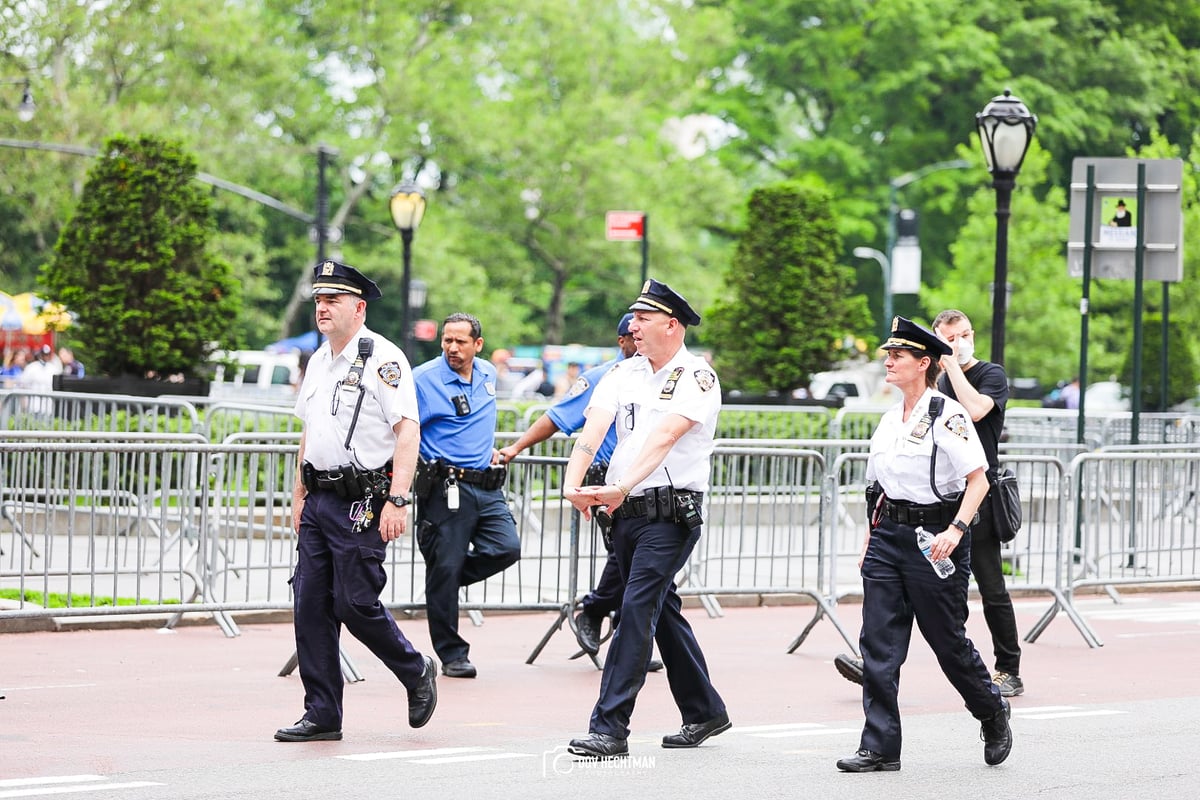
665	403
926	470
351	497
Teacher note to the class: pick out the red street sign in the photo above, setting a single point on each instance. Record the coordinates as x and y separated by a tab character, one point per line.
425	330
624	226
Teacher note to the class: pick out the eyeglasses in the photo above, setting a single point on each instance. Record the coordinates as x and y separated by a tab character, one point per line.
629	416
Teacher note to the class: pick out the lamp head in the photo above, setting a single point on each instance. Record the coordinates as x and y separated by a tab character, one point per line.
1006	128
26	109
407	206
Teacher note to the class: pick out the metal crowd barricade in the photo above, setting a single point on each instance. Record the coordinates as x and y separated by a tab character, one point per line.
224	419
773	422
39	411
1132	521
764	529
96	519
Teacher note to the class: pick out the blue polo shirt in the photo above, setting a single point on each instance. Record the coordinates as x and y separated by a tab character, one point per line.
461	441
568	413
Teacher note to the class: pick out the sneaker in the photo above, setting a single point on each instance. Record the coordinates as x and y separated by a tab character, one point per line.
849	668
1009	685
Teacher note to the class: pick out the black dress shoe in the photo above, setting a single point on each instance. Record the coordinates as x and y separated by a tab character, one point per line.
654	666
692	735
459	668
599	745
422	699
997	736
849	667
867	761
305	731
587	632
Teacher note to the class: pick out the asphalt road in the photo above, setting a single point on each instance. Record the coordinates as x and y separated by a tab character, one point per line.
139	713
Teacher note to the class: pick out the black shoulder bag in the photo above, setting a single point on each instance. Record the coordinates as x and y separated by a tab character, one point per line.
1006	504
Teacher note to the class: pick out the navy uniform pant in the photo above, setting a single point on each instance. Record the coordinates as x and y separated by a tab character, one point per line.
339	577
461	548
649	554
986	566
606	597
899	584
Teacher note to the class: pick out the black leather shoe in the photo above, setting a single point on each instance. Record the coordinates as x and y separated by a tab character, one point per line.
305	731
422	699
587	632
867	761
599	745
849	667
459	668
654	666
997	736
694	734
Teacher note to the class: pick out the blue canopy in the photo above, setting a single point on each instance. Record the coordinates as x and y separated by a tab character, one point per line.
307	342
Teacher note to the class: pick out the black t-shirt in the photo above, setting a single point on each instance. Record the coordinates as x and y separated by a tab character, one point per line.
990	380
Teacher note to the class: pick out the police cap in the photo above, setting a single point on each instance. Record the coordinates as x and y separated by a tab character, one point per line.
908	335
623	325
331	277
657	296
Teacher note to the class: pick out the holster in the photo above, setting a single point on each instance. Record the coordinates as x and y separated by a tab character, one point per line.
426	477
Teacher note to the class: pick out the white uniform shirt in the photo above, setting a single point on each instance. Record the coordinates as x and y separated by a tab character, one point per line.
900	451
639	398
389	395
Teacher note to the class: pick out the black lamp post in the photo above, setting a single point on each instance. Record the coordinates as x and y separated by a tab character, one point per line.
26	108
1005	130
407	206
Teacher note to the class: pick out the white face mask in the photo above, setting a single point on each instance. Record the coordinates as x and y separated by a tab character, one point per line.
966	351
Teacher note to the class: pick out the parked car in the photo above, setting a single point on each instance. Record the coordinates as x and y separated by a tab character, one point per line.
1105	396
257	376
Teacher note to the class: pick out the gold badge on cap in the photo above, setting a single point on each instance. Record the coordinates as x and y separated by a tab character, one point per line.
327	269
645	287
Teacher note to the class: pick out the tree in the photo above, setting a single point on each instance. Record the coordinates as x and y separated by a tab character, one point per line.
790	306
132	264
1182	374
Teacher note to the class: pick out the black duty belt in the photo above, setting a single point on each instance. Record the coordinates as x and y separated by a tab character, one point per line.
940	514
638	506
491	478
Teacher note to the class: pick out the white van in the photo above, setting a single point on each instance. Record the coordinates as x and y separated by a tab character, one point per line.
259	377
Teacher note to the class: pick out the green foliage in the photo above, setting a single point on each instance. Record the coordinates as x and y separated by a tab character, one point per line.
1182	372
133	266
61	600
790	305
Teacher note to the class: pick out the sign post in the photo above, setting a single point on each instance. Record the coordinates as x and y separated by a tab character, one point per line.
630	226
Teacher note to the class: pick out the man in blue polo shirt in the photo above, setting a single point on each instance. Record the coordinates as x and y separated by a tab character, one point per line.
567	415
466	531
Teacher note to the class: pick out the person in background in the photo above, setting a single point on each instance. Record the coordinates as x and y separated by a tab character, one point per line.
71	366
357	453
568	416
926	470
1070	394
14	364
567	379
466	531
506	379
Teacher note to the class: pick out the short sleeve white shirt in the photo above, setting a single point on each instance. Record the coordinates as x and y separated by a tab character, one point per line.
901	451
639	398
388	396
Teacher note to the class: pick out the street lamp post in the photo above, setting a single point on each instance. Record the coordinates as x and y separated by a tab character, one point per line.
26	108
885	264
407	205
1006	128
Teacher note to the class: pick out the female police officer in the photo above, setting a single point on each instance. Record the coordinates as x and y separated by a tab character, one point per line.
923	454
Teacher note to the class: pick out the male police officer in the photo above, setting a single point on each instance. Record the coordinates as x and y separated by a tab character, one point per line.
665	406
568	415
467	532
357	455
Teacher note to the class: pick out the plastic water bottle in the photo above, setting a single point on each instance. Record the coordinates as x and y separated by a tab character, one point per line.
944	567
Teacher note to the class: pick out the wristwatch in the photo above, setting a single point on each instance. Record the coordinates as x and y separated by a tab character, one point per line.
398	500
962	526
